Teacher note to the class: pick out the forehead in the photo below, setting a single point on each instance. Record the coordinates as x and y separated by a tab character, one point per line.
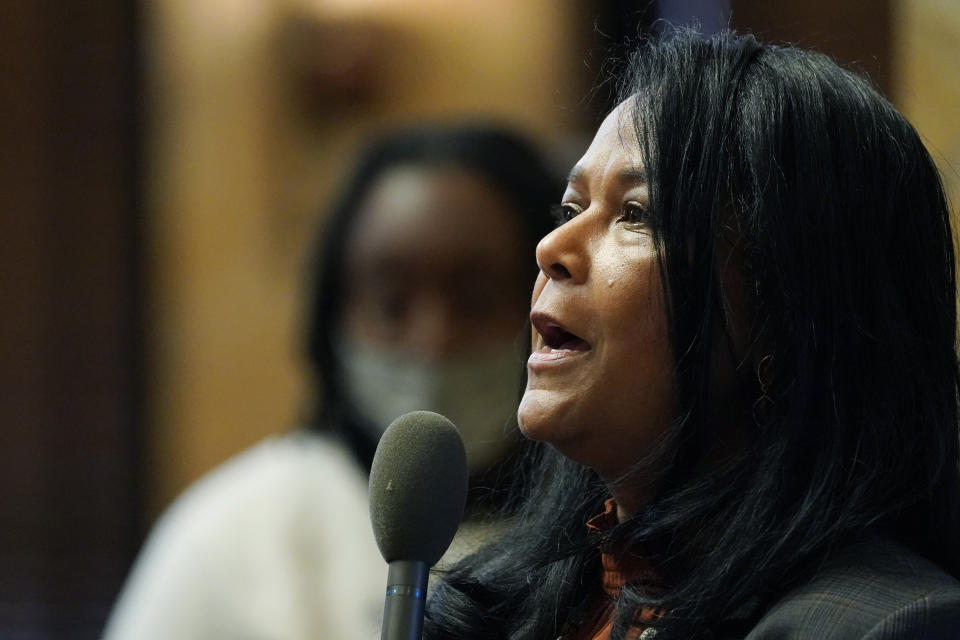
429	217
614	149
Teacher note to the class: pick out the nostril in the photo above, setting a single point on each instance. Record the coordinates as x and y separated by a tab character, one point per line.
560	270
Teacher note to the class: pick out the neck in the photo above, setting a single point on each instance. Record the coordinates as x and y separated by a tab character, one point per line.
630	497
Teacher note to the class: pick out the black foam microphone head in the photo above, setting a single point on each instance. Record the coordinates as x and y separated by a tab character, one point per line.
418	487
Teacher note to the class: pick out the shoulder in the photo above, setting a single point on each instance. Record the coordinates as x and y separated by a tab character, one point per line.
266	530
875	589
281	486
269	479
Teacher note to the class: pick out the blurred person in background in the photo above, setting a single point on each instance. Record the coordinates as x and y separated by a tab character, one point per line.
418	300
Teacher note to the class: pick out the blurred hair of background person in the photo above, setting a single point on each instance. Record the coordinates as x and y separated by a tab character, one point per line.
419	299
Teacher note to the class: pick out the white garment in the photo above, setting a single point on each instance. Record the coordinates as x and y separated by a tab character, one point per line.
275	544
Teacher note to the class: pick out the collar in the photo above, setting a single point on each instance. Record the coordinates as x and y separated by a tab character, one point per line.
620	566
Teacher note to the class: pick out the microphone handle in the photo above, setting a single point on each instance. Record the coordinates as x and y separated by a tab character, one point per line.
406	595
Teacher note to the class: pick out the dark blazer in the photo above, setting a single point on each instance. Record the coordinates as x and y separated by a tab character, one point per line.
874	590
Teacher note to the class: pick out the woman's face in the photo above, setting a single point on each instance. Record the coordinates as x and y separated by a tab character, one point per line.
432	264
435	299
600	378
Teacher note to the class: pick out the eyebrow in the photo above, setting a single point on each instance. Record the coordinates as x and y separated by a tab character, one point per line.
631	176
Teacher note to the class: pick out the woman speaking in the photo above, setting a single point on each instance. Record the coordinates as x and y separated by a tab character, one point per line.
743	383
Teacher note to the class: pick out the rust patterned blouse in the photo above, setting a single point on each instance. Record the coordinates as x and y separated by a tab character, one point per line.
618	569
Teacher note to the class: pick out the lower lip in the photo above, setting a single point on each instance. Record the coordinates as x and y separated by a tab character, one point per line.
547	357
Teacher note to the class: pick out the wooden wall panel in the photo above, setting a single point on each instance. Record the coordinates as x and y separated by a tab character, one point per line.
855	32
858	33
69	326
927	83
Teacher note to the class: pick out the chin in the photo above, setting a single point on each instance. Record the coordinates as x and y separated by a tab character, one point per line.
541	417
531	416
528	421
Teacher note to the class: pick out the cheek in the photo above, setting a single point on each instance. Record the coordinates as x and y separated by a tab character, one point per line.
358	322
635	307
639	362
538	286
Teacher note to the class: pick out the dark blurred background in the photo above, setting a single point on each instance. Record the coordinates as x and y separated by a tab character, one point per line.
162	166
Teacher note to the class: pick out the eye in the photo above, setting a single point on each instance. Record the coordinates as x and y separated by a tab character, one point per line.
565	212
636	214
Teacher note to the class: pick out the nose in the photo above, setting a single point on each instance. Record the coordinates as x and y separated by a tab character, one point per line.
562	255
433	328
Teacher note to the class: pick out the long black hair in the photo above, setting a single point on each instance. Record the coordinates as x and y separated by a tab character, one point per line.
503	158
845	253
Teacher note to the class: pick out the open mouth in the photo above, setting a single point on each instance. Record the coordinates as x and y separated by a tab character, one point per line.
555	336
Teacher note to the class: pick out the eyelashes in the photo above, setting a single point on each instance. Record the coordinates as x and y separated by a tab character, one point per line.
564	212
634	213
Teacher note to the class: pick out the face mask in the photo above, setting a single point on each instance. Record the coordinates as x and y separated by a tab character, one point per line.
478	393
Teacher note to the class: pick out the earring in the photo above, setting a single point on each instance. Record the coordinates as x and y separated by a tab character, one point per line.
763	406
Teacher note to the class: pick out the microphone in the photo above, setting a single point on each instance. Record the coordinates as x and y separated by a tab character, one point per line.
418	487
